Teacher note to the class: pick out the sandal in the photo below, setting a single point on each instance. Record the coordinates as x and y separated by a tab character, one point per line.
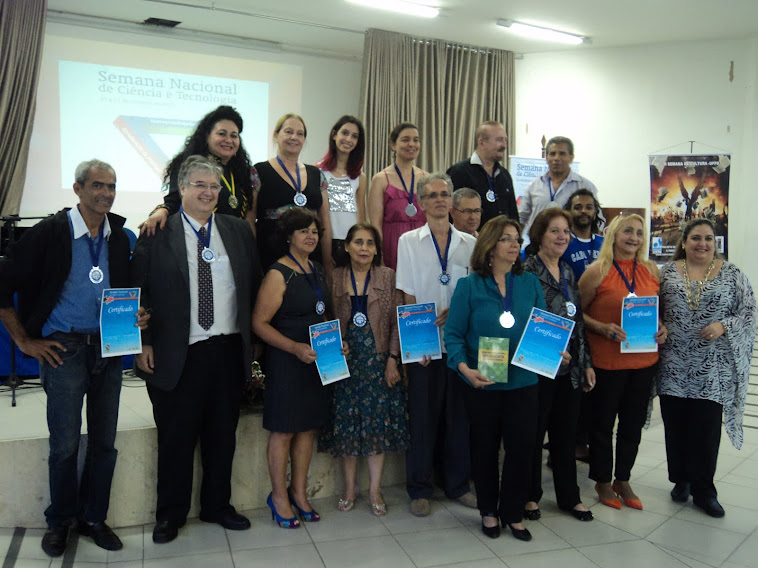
345	505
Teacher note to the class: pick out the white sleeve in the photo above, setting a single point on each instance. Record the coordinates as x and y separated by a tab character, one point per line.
404	270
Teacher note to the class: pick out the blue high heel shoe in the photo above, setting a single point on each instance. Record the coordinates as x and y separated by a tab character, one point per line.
292	523
308	516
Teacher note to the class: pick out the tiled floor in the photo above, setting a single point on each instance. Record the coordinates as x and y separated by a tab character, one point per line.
664	535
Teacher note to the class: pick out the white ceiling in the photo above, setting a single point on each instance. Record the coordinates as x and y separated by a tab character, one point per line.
337	27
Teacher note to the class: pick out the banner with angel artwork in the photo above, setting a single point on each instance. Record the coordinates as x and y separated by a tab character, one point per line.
685	187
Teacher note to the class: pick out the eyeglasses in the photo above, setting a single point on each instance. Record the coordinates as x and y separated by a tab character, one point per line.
507	239
469	211
202	186
435	195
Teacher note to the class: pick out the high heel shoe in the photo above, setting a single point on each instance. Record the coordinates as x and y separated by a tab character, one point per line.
492	532
612	503
308	516
631	503
292	523
520	534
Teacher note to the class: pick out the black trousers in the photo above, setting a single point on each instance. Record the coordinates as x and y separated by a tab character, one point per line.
693	436
436	409
507	418
203	407
559	404
624	394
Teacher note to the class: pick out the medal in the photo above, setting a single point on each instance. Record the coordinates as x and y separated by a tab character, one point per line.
233	201
410	209
359	319
444	279
208	255
300	199
315	286
491	196
571	309
95	275
507	320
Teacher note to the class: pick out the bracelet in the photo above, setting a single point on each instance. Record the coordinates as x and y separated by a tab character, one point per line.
395	357
161	206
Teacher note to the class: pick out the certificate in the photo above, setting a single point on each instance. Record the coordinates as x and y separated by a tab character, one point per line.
639	319
326	341
418	334
492	361
544	337
118	314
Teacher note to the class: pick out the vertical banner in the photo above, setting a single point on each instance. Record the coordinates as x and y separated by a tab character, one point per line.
685	187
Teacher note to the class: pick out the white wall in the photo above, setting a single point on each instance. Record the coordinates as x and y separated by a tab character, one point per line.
619	105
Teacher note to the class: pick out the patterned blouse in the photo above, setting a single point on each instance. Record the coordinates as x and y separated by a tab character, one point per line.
718	370
556	303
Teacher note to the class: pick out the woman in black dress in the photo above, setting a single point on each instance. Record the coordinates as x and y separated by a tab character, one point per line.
293	296
287	183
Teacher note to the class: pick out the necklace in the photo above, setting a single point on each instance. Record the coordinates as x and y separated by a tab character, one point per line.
694	302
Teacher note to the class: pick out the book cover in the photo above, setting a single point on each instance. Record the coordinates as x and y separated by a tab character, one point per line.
639	319
544	337
493	358
326	341
418	334
118	314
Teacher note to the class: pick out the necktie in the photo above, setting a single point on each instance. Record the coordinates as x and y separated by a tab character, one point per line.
204	287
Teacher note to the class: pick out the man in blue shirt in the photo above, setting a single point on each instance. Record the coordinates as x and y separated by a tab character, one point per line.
584	247
59	269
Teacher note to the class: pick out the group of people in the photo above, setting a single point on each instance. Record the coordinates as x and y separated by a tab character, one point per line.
240	256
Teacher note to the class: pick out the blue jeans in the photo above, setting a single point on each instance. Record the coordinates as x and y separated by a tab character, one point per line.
83	372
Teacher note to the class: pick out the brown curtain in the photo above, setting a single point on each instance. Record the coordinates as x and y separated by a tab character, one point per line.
22	29
445	89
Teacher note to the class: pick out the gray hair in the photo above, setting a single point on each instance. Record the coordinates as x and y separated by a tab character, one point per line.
561	140
82	170
464	193
425	180
198	163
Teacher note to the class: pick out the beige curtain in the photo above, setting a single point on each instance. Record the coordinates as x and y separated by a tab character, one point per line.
22	29
445	89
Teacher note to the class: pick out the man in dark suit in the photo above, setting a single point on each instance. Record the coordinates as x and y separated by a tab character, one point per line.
198	277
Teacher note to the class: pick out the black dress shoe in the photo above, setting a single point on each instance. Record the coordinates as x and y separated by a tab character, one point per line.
532	514
521	534
492	532
101	533
710	505
585	516
165	531
54	540
230	519
681	492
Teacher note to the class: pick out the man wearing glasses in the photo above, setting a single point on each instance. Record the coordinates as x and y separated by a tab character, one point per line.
430	261
466	211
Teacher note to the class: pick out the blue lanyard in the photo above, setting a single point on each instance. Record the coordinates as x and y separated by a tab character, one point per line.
491	179
562	284
360	301
315	284
631	286
405	187
508	298
298	185
206	242
443	260
94	253
550	188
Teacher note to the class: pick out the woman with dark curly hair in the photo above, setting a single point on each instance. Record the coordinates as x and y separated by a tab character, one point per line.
217	136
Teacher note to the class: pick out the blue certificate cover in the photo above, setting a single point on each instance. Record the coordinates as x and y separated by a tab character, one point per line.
326	341
118	314
639	319
418	334
544	337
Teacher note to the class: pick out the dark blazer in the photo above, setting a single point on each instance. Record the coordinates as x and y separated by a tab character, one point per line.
159	266
466	174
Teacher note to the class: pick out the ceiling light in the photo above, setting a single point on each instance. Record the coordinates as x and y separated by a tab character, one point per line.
542	33
401	6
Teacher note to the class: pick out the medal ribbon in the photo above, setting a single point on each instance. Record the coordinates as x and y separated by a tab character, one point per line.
231	187
550	188
207	241
443	260
298	185
562	284
362	300
631	286
508	298
405	187
491	181
94	253
315	284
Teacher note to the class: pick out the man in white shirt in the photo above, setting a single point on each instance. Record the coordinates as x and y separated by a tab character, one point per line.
430	261
554	187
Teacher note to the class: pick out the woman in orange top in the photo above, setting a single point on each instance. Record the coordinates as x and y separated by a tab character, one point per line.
624	380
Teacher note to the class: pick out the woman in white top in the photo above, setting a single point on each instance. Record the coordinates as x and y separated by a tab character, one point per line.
342	166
